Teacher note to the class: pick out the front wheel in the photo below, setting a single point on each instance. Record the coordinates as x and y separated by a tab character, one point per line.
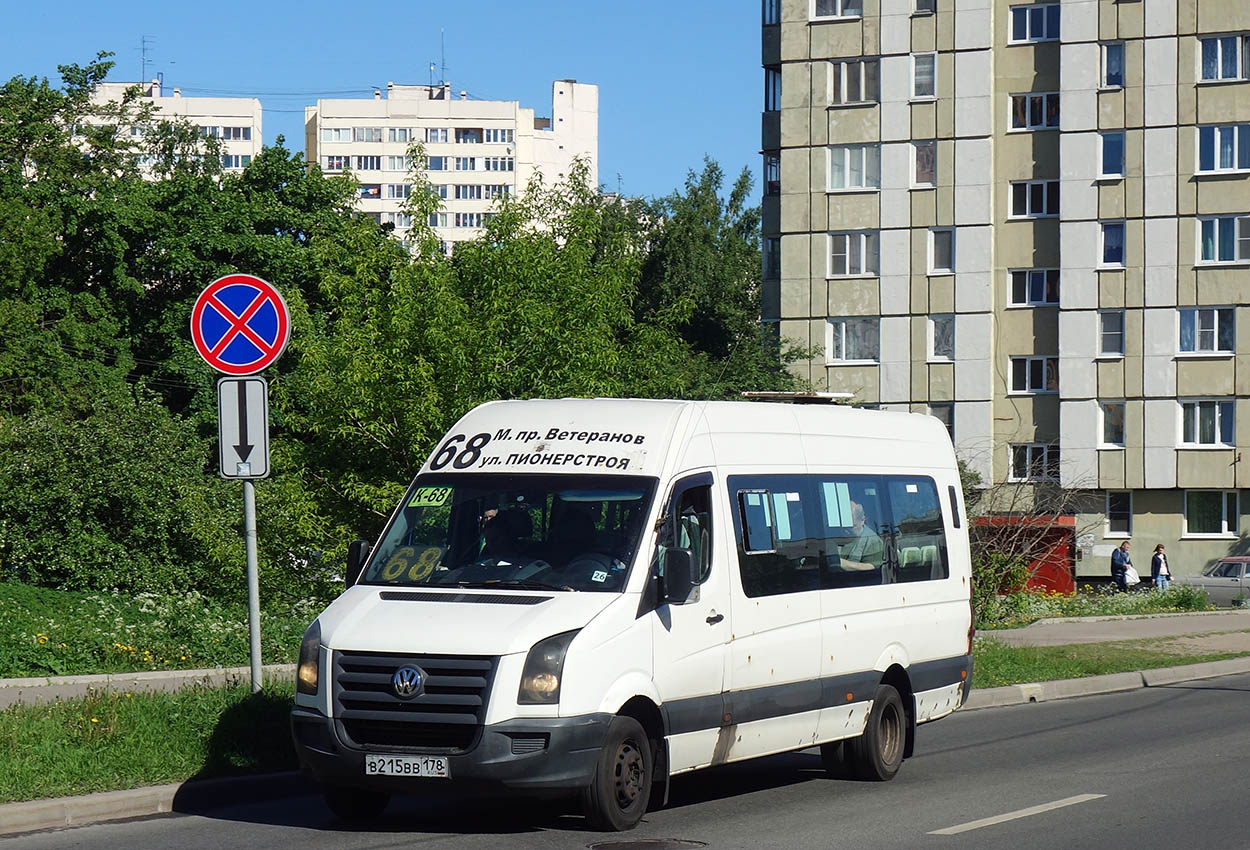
877	754
617	796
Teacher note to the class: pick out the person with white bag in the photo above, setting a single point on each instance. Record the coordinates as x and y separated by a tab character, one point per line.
1121	564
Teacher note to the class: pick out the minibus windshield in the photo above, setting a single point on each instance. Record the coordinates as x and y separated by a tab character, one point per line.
531	532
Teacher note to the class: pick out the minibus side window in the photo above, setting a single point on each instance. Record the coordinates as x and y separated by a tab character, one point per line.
919	532
855	531
776	551
757	520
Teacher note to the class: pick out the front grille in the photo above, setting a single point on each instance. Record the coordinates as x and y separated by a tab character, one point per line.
447	717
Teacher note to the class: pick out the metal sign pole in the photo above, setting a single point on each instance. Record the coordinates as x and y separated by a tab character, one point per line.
253	581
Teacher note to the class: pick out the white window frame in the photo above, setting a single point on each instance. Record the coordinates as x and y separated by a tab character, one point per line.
1103	79
1240	227
841	159
436	135
933	355
334	135
336	162
1103	351
1103	173
1241	47
1221	408
1107	531
869	252
1050	199
1043	98
402	135
1047	10
367	162
1103	263
842	10
1218	316
1032	450
367	135
1103	442
836	325
1228	529
1240	148
934	234
839	77
1049	362
915	59
1030	279
916	145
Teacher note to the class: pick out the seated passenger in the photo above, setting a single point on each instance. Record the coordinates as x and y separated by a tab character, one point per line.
865	550
572	533
503	531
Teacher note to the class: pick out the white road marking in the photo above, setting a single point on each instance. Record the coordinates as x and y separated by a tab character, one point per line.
1022	813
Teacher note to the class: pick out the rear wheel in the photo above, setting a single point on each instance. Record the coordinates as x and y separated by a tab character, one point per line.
355	805
617	796
877	754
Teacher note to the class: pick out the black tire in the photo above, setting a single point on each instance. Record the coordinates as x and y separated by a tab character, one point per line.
620	789
833	759
355	805
876	755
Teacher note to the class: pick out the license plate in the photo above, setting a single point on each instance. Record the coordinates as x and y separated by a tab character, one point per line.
422	766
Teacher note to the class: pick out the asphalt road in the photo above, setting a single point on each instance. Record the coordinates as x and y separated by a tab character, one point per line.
1153	768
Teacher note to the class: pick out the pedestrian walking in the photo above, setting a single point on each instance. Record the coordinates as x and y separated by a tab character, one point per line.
1159	568
1120	562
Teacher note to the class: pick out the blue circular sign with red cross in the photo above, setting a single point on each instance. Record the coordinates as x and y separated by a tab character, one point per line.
240	324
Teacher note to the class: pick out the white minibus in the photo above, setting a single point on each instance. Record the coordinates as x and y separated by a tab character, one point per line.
595	595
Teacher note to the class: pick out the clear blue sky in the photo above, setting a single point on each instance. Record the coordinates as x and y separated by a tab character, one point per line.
677	80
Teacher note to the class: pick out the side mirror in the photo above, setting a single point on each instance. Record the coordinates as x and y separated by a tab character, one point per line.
678	575
357	557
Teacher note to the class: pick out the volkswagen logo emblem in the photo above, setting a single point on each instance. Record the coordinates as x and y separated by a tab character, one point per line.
408	682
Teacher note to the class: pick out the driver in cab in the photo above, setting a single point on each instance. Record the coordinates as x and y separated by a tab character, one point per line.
502	531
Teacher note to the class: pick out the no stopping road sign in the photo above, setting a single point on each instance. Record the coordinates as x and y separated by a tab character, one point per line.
240	324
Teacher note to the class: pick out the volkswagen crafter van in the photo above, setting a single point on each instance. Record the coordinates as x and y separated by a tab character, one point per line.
594	595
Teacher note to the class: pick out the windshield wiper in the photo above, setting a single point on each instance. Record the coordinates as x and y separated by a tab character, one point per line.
522	583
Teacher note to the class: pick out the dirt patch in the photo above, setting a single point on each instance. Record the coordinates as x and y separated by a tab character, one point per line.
1216	642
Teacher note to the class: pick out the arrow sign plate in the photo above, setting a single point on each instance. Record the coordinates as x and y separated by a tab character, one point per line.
243	427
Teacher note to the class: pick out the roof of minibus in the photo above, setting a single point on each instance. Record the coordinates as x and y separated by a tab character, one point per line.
642	436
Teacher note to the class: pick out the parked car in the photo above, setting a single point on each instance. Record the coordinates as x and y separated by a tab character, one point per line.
1226	582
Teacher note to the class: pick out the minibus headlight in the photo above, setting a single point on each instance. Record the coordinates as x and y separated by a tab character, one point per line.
540	679
309	652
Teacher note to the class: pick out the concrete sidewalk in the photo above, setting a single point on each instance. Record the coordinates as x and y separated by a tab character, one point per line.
1059	630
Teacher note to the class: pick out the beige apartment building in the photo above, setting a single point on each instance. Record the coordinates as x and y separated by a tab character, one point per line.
1031	220
235	121
477	150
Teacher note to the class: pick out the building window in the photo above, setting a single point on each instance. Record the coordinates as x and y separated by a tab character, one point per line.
852	341
855	167
924	164
853	254
1034	199
1111	333
336	134
1112	161
1034	23
1034	375
404	163
925	7
1225	57
1035	111
368	163
335	163
1224	239
400	134
499	163
772	89
1223	148
1207	330
942	337
398	219
772	257
1207	422
366	134
1119	513
466	163
772	12
1112	244
854	82
772	174
438	219
468	193
1113	423
467	219
498	137
235	160
501	190
468	136
1211	512
436	134
837	8
1034	462
942	250
924	75
1033	287
404	190
945	413
369	191
1113	65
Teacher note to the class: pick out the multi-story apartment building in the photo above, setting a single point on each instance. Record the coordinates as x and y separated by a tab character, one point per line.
477	150
235	121
1032	220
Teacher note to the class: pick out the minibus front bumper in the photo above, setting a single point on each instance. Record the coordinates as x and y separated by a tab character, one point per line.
532	754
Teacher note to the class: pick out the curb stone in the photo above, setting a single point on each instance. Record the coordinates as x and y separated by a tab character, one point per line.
51	688
196	796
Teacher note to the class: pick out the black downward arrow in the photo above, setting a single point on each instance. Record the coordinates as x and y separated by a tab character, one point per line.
244	448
